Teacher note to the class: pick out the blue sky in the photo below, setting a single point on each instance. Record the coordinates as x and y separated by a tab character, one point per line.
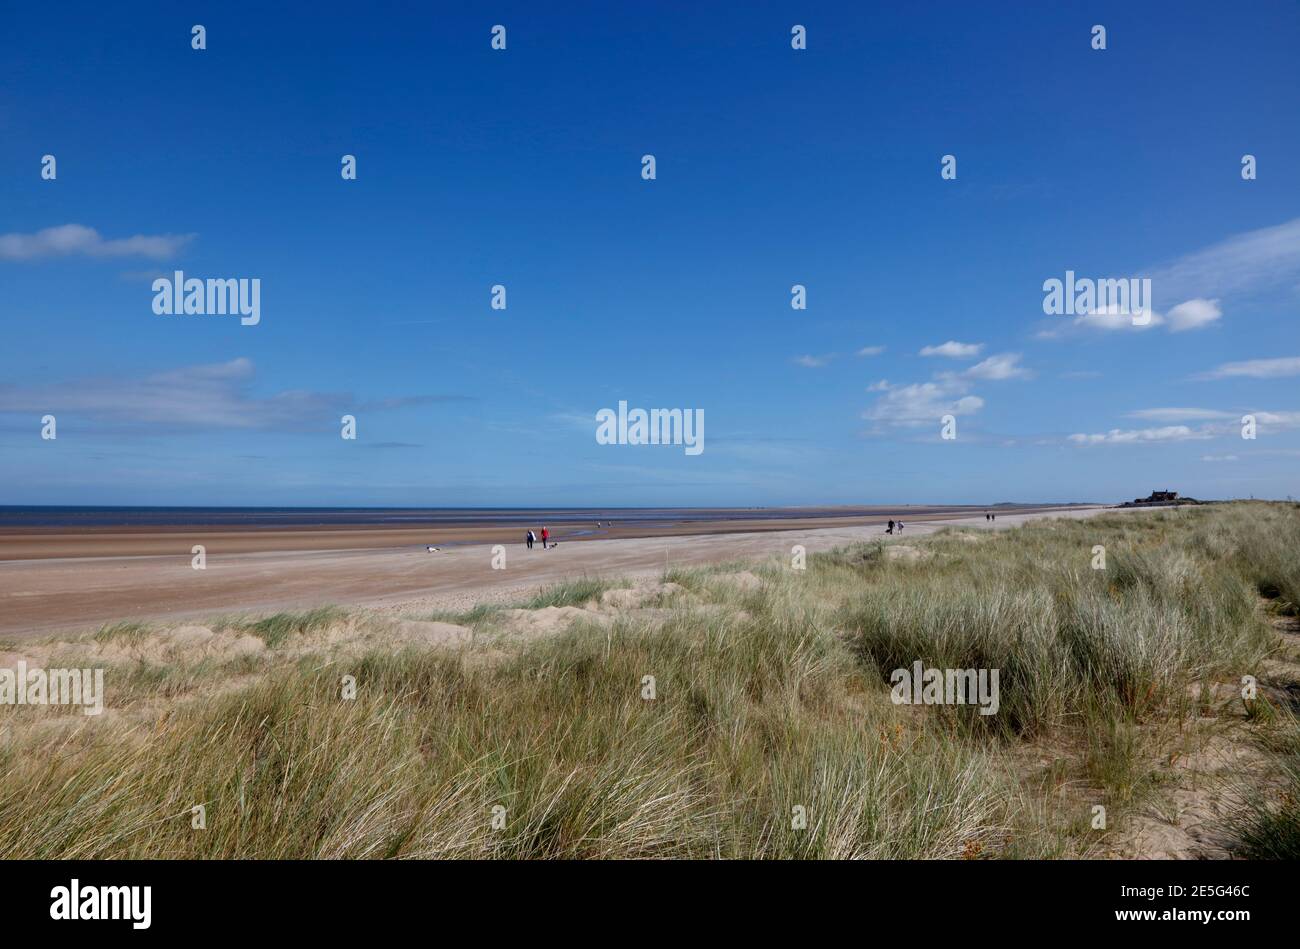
522	167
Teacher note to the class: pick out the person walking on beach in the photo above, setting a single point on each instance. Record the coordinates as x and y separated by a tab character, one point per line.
890	528
900	527
546	536
529	538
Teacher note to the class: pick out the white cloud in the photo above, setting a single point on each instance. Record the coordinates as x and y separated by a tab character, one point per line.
923	402
1278	419
1216	423
1104	319
69	239
1188	315
1115	436
1193	314
1256	369
999	367
954	350
948	393
871	350
1218	458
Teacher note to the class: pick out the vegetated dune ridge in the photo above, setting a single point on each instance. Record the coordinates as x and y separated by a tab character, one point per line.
535	730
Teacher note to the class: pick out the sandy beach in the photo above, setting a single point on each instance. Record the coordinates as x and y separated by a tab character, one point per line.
55	581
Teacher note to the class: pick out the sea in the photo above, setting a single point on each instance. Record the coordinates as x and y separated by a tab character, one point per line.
73	517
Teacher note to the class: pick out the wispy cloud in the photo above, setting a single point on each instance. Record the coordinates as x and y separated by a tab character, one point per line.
410	401
76	239
1181	414
1214	424
764	449
192	399
1254	260
998	368
813	362
1116	436
954	350
1256	369
575	419
1263	259
1218	458
1277	419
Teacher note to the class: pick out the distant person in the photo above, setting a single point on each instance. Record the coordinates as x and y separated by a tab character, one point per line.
546	536
890	528
900	527
529	538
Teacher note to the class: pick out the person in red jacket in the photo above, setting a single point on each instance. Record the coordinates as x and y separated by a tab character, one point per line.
546	536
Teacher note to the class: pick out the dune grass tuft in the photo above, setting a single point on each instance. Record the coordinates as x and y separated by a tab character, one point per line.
128	632
276	629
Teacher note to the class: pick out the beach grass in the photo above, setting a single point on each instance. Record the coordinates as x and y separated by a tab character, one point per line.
749	718
276	629
123	631
1267	824
574	592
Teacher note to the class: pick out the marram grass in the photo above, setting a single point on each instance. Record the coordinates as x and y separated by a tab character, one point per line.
770	733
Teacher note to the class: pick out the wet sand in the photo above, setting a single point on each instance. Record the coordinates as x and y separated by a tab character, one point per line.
33	543
69	582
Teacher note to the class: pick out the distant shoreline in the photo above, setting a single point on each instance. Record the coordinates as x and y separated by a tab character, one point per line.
241	517
52	580
83	533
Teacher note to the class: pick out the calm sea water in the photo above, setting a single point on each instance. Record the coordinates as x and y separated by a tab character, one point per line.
278	517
